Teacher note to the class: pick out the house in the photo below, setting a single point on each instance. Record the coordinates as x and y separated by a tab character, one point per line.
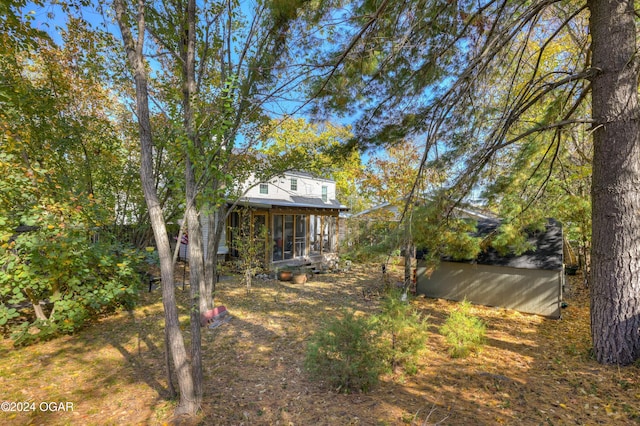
531	282
299	213
372	225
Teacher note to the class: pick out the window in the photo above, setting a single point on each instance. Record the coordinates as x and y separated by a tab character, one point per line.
315	232
289	236
283	242
278	243
294	184
324	193
323	234
300	235
264	188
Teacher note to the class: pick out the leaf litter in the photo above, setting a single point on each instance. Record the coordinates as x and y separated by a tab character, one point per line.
531	371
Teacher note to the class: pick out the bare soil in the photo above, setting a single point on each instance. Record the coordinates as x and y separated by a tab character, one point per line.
532	370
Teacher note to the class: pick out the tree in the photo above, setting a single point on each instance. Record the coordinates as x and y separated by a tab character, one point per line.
48	259
317	148
189	399
225	60
395	173
472	79
217	77
394	178
615	308
60	147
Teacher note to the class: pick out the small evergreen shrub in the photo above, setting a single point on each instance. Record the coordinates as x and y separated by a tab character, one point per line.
464	332
343	353
404	333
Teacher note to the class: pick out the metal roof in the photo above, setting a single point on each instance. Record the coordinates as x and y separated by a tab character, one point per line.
296	201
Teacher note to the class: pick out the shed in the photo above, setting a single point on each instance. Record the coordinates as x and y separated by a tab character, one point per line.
531	282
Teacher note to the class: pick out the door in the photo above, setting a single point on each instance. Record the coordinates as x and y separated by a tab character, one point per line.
260	234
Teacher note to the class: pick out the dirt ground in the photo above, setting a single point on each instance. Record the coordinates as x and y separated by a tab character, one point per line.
532	371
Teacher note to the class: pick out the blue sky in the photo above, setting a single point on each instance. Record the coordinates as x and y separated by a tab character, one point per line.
51	18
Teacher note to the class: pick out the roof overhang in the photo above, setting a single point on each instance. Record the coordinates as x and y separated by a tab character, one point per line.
264	203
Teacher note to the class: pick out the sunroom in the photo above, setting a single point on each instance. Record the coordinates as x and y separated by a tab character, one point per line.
295	216
287	233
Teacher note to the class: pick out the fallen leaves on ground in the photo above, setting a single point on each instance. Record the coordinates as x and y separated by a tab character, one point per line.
531	371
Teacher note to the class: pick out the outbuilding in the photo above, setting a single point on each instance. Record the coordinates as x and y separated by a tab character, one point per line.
531	282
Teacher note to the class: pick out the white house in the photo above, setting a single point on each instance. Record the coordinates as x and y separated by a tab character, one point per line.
300	213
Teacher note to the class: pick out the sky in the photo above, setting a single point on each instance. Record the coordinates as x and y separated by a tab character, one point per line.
52	19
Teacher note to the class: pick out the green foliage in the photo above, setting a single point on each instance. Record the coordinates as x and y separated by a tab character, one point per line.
403	333
351	352
440	234
48	259
248	241
464	332
370	240
513	237
59	117
67	275
344	354
6	315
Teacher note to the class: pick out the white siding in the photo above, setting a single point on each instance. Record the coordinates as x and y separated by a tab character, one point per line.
222	248
279	188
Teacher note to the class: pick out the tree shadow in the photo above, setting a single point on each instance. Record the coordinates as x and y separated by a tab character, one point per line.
532	370
90	368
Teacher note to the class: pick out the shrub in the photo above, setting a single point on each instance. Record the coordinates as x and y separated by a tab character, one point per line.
53	275
343	353
464	332
404	333
70	278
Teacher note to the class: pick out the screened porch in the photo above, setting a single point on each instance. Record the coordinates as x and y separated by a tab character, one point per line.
287	235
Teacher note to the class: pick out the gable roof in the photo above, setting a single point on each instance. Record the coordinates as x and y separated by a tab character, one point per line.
284	197
462	210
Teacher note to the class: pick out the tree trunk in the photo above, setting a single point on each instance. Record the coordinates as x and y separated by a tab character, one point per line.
409	250
615	286
211	260
37	308
217	222
196	282
176	346
196	255
171	390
